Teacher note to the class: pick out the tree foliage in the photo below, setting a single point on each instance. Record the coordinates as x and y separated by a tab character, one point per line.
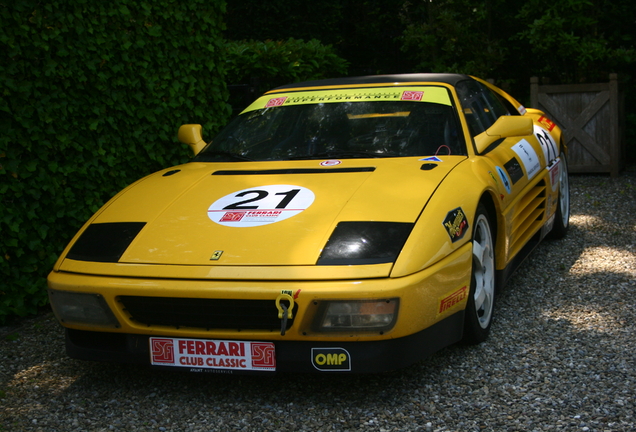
579	40
459	36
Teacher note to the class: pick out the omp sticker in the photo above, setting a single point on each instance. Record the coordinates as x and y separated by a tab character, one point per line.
456	224
504	179
212	354
431	94
260	205
555	173
548	145
330	162
528	157
331	359
456	297
522	110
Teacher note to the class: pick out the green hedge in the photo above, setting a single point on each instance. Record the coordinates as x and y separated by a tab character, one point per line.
274	63
91	97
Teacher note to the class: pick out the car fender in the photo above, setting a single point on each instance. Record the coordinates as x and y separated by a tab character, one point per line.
433	236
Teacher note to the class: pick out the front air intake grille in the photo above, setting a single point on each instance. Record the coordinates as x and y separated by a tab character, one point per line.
228	314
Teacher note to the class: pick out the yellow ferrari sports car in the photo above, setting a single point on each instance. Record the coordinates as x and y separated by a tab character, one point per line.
348	225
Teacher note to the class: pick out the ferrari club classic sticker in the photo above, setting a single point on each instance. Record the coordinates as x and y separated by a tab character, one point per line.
260	205
212	354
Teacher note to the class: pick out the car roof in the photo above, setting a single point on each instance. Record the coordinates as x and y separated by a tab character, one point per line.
445	78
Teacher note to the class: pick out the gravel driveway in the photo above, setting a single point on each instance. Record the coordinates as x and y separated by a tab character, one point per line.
561	356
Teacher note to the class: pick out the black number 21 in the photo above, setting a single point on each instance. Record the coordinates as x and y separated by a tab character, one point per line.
261	194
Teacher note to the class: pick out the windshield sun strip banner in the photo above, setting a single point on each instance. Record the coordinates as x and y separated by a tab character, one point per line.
430	94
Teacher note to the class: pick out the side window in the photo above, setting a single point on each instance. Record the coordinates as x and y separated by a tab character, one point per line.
481	106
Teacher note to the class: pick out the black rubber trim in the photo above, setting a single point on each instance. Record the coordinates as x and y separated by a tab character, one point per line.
291	356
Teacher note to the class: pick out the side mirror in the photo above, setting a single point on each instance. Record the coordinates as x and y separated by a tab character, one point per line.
504	127
190	134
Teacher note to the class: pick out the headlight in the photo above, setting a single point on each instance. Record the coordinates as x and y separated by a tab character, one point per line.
357	315
82	308
104	242
359	243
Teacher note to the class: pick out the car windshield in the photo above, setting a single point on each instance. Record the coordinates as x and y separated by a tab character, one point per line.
342	124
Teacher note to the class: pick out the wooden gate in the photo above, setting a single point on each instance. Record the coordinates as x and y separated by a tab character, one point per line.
590	117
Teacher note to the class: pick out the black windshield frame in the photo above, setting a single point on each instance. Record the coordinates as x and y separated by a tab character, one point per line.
370	129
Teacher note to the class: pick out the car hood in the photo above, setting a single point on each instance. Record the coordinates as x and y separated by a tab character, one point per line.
265	213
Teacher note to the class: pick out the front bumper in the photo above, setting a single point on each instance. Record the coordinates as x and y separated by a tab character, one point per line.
291	356
430	315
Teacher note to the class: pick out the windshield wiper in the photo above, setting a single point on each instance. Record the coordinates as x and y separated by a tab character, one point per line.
343	154
219	155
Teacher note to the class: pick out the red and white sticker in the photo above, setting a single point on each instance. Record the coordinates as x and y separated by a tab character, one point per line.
213	354
412	95
549	124
275	102
555	173
331	162
260	205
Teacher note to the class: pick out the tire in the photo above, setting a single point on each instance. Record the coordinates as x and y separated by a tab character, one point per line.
481	299
562	217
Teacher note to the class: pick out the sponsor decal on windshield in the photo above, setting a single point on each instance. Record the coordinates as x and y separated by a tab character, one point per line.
431	94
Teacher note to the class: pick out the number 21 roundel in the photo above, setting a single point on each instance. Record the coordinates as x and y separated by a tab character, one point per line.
260	205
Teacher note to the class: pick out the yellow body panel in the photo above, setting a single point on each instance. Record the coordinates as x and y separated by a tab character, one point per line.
179	231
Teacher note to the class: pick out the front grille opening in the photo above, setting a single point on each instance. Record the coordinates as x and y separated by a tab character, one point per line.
209	314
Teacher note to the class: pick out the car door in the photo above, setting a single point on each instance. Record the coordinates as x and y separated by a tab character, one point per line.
524	168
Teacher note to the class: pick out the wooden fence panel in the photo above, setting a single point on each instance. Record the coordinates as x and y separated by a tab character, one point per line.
590	117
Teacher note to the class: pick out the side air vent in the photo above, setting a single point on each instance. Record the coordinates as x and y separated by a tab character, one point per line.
527	217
